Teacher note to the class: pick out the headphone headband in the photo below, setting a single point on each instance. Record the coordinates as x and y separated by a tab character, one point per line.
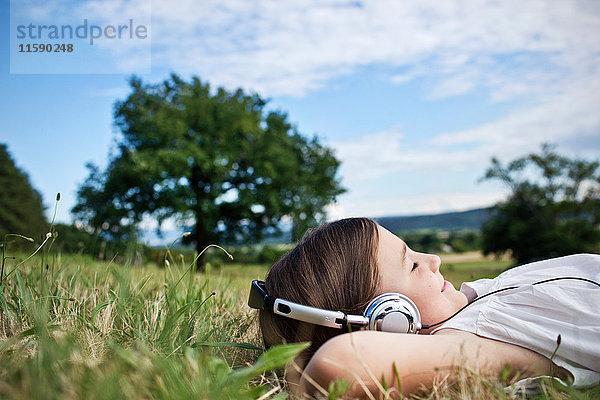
259	299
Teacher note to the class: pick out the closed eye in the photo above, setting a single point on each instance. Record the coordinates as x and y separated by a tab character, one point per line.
415	265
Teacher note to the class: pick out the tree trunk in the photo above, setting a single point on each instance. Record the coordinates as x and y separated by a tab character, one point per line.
201	231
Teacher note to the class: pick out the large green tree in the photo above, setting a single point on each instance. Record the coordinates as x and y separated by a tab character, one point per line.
553	209
215	160
21	208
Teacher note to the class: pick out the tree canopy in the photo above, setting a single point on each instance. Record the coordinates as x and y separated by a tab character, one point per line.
553	209
21	208
217	161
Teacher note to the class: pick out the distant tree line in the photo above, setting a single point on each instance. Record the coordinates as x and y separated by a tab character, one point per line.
438	241
75	240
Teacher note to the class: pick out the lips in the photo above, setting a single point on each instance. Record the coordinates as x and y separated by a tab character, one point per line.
446	285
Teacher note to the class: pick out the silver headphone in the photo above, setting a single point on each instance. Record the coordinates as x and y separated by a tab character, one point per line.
388	312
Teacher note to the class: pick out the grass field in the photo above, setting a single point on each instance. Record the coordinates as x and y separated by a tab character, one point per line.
75	328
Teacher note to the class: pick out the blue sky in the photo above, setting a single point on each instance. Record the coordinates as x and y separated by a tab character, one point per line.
415	97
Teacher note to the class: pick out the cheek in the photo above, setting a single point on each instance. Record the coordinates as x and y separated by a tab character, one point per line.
420	290
432	305
423	302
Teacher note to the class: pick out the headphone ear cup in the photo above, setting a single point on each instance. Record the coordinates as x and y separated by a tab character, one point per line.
393	312
396	322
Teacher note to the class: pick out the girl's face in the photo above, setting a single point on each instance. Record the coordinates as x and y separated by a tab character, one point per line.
416	275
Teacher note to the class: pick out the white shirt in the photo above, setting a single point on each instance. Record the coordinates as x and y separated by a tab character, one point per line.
532	316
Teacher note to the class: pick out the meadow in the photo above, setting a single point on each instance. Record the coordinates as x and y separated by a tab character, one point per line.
72	327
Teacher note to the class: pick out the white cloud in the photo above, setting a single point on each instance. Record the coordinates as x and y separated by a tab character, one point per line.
555	118
561	118
373	155
274	47
370	155
510	47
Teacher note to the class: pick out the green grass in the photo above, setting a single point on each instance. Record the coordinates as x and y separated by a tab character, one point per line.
73	328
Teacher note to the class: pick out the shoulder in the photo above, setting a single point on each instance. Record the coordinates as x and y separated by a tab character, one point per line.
576	265
574	260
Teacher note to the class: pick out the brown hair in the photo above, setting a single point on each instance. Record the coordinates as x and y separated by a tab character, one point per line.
333	267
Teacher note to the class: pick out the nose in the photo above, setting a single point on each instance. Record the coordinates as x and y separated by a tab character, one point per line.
434	262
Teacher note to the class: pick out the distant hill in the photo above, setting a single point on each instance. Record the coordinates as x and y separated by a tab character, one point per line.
451	221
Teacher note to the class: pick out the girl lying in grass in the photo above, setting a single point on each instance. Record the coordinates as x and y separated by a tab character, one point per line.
514	319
